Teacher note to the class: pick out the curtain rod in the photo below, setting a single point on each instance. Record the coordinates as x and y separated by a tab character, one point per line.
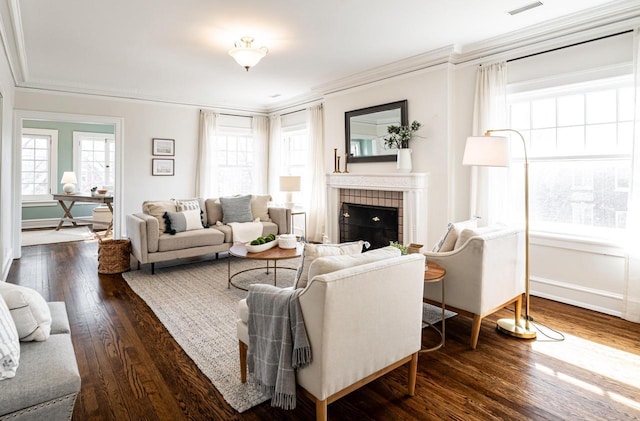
571	45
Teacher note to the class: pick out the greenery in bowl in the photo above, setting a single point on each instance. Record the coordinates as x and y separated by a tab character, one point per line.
398	137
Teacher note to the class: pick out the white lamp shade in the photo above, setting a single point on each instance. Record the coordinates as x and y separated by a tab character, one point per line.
290	183
248	57
487	151
69	177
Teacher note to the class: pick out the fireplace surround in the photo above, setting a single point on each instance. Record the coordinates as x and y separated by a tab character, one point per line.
408	192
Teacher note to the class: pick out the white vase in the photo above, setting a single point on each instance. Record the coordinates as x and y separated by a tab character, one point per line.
404	161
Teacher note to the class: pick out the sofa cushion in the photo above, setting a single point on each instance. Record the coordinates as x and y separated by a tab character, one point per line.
29	310
328	264
189	239
214	211
313	251
187	220
448	240
157	210
259	207
48	371
236	209
9	344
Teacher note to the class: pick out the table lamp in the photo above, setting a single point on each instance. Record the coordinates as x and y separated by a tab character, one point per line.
69	180
289	184
493	151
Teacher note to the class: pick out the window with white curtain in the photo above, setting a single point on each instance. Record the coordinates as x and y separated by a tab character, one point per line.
295	160
94	164
235	152
579	143
39	164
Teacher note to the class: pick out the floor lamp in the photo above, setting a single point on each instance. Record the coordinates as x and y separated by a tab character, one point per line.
493	151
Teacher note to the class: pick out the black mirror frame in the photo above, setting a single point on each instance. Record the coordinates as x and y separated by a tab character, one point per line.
404	120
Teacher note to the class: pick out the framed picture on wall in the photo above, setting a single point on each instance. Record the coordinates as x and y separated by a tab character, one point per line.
162	166
164	147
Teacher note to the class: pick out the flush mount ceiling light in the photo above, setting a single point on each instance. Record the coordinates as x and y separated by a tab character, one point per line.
246	55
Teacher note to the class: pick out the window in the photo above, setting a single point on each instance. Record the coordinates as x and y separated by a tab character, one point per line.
235	155
294	160
39	164
94	160
579	141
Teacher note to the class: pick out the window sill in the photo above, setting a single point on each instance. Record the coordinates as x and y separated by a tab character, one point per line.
609	247
38	203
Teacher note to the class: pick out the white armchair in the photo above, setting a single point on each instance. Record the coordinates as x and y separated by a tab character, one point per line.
484	274
362	322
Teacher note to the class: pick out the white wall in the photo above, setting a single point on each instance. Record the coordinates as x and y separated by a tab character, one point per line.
6	124
142	122
429	95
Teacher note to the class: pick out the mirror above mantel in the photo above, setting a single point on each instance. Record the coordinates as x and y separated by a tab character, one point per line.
366	127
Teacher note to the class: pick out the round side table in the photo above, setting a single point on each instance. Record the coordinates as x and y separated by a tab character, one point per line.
435	273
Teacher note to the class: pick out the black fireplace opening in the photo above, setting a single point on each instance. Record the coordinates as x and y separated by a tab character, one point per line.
377	225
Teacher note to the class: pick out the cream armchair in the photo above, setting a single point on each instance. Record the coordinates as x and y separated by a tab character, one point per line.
362	322
484	274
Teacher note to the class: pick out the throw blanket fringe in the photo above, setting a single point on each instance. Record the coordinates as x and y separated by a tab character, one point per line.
278	342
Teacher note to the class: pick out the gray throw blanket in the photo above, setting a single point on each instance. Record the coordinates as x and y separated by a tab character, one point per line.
278	342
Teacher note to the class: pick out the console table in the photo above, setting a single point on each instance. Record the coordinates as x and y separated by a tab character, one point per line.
86	198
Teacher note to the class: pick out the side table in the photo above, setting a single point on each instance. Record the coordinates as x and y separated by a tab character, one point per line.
436	273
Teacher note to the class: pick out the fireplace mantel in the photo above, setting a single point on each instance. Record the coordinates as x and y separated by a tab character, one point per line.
414	194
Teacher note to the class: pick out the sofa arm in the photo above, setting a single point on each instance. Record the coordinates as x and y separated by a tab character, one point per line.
142	241
282	218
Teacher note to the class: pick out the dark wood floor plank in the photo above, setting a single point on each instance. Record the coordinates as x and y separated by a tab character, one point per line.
132	368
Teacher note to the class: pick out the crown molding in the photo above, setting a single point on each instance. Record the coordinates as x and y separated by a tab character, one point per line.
578	27
418	62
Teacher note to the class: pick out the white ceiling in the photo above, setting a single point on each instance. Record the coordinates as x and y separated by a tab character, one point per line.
176	51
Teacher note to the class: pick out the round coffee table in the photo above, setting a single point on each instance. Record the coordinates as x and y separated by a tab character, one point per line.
275	254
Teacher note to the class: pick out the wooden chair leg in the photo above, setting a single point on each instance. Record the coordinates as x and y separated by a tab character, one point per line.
518	307
475	330
243	361
413	374
321	410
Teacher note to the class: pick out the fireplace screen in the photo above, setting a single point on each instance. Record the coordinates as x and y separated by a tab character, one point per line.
376	224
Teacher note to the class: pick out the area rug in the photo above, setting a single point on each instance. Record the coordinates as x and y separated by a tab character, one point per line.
50	236
199	311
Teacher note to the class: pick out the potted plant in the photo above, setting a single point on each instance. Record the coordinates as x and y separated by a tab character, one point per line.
398	137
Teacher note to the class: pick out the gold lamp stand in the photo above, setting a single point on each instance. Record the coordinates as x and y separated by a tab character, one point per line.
515	327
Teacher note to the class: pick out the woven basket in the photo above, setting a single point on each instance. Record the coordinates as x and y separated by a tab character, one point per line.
113	256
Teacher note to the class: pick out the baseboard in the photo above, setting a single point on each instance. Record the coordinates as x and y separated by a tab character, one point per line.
50	222
601	301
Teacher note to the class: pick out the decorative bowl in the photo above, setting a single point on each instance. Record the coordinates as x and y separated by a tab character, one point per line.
288	241
261	247
102	191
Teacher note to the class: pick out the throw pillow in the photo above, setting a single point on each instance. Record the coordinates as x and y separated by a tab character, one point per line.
214	211
448	240
183	221
313	251
260	208
157	210
328	264
9	343
192	204
29	311
236	209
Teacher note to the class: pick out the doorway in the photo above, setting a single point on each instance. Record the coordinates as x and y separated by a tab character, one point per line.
67	156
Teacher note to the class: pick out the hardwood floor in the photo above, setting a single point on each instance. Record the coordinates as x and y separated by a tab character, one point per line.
132	368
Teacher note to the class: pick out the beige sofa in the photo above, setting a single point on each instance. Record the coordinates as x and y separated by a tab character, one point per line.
151	244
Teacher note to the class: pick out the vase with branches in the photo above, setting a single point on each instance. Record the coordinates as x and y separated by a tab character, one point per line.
398	137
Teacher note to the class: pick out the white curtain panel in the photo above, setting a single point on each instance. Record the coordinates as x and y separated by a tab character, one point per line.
631	297
275	150
260	127
316	214
206	166
489	186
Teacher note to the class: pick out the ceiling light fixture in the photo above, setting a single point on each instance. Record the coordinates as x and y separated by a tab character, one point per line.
246	55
